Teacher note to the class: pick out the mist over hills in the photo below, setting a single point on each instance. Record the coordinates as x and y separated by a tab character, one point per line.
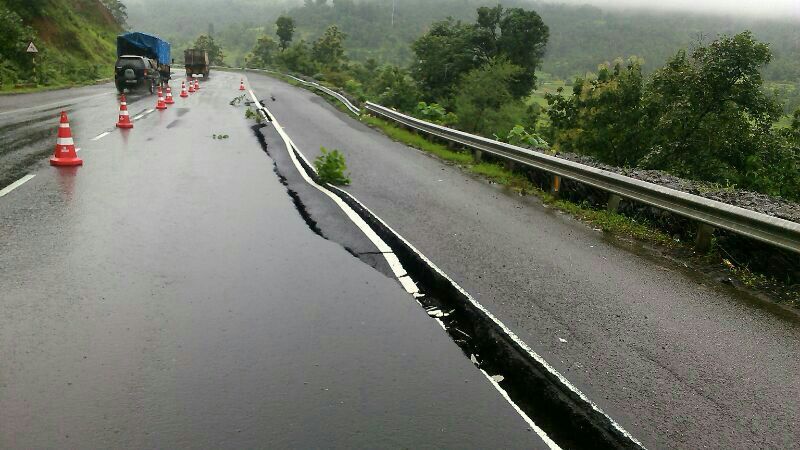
581	36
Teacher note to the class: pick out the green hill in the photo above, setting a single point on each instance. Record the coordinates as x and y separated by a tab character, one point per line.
76	41
581	37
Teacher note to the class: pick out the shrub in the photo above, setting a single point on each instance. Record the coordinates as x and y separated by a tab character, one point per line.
331	166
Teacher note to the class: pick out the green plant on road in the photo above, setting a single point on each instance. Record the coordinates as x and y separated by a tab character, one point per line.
251	114
331	167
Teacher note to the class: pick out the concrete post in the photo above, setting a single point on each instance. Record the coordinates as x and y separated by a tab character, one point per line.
509	165
477	155
704	234
613	202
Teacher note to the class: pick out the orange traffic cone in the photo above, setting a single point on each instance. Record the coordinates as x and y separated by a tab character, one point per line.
124	118
64	154
184	94
196	85
241	85
160	105
169	99
191	87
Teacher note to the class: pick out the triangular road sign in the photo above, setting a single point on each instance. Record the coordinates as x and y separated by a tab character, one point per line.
32	48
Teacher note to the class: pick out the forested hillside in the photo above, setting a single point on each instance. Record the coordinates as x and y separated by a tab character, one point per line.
235	24
581	37
75	38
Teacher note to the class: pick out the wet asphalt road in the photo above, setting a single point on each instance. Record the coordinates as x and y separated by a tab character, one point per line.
26	123
168	294
679	361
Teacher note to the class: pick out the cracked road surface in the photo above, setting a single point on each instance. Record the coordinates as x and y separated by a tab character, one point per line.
168	294
678	361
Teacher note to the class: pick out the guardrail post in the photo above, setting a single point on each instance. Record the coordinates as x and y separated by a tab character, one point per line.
477	155
704	234
556	186
613	202
509	165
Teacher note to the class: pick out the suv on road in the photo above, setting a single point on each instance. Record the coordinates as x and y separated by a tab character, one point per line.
136	72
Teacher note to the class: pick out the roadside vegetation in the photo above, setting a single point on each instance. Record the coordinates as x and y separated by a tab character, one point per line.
76	41
705	115
614	223
720	109
331	167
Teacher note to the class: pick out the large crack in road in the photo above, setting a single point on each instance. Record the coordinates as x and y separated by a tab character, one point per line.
529	382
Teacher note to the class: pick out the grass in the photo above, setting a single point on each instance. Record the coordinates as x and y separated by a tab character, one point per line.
419	142
546	87
11	90
607	221
610	222
759	281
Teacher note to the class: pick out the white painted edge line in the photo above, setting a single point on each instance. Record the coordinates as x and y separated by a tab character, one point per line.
65	102
101	136
380	244
139	116
7	190
391	259
549	442
497	321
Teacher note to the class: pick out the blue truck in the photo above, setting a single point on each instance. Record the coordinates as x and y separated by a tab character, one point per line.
143	62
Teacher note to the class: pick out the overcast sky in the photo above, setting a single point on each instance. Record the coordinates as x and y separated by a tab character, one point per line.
761	8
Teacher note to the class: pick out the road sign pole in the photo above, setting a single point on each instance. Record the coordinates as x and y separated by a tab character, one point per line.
32	50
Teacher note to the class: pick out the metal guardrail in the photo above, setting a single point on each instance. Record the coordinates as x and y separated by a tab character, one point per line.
330	92
771	230
353	108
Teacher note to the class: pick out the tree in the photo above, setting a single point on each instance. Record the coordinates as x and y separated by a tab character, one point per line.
443	55
206	42
394	88
523	38
328	50
602	116
297	58
263	53
285	31
709	115
451	49
704	115
14	36
484	110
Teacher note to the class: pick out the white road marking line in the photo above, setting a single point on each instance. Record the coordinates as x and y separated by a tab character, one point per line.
549	442
391	259
7	190
101	136
397	267
64	102
497	321
149	111
138	117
